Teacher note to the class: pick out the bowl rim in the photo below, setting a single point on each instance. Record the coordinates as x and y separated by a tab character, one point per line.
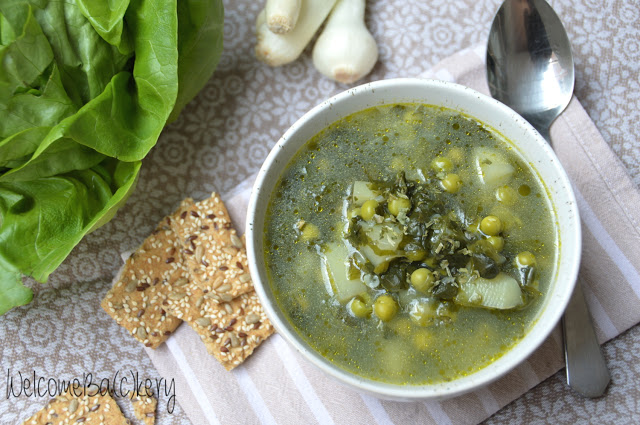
489	373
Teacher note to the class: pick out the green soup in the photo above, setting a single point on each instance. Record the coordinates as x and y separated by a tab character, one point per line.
409	244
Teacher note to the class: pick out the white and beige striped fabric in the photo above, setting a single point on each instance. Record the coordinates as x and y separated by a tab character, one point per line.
278	386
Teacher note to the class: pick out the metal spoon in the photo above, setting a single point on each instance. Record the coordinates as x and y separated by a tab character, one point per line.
530	68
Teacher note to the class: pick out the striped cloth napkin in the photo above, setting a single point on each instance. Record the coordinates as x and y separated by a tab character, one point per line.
278	386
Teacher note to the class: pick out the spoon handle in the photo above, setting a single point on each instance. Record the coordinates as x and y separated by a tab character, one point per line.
587	371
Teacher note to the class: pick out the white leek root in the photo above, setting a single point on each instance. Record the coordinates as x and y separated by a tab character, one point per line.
282	15
280	49
261	20
345	51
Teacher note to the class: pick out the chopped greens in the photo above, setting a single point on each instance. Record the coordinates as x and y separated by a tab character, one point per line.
430	236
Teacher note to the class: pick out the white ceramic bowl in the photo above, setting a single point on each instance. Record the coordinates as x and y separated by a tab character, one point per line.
526	141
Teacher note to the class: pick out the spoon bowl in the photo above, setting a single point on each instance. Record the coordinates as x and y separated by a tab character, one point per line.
529	62
530	68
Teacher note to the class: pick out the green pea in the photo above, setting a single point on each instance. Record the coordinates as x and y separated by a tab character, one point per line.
524	190
381	268
385	307
368	209
360	309
491	225
422	313
441	164
422	279
416	254
506	195
310	231
398	205
525	258
497	242
456	155
452	183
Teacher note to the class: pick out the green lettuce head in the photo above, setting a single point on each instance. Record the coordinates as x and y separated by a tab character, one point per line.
86	87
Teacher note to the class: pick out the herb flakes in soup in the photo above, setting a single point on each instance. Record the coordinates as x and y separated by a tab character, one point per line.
409	244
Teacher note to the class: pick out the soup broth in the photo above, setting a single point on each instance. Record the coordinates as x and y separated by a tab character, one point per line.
409	244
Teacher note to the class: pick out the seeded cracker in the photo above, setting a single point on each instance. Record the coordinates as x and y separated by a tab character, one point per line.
213	252
149	275
86	409
144	407
231	330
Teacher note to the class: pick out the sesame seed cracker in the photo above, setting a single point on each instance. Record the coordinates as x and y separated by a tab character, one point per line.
144	408
149	275
213	252
92	407
231	330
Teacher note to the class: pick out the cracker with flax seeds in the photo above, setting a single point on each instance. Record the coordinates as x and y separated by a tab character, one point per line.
91	407
144	407
148	276
231	329
213	252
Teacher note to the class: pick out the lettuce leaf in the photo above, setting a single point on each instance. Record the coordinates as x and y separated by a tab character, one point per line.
12	292
199	47
86	87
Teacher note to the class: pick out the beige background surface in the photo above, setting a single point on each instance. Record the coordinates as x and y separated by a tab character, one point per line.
225	134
